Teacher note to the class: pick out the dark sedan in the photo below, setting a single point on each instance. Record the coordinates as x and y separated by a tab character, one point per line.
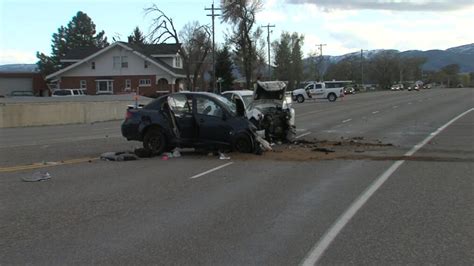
190	120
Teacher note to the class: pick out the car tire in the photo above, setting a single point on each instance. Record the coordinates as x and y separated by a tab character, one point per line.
332	97
154	141
243	144
300	98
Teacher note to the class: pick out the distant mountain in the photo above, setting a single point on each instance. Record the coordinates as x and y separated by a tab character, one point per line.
19	68
463	49
436	59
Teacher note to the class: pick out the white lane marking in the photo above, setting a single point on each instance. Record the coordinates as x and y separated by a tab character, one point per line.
321	246
375	112
302	135
347	120
300	129
211	170
395	106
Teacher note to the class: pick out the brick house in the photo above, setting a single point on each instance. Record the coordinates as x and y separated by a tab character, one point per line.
148	69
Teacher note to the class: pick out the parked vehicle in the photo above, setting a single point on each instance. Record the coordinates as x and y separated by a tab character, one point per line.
319	90
397	87
349	90
68	92
191	120
21	94
268	108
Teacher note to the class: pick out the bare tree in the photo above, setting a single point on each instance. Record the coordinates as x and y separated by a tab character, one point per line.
162	29
197	44
241	15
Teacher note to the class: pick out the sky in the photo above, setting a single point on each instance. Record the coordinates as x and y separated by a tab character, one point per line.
344	26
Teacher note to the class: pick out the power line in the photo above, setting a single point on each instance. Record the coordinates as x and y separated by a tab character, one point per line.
268	44
213	15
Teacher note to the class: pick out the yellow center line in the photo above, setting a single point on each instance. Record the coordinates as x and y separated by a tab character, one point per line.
44	165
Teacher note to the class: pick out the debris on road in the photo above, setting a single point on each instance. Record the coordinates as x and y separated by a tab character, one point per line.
118	156
316	149
37	176
222	156
143	153
325	150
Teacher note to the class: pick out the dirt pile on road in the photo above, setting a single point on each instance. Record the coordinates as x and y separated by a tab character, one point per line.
304	150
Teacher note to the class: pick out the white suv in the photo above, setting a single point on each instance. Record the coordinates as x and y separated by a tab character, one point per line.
69	92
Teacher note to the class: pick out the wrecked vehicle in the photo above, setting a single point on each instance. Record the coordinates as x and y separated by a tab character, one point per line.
191	120
268	108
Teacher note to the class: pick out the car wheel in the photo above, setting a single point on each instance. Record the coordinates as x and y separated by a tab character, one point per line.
155	141
243	144
332	97
300	98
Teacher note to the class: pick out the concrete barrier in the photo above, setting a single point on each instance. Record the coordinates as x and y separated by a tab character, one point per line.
24	114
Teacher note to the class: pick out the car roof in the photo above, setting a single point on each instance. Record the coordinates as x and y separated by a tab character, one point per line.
240	92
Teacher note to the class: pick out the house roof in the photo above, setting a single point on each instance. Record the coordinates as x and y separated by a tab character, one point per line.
151	49
79	53
145	51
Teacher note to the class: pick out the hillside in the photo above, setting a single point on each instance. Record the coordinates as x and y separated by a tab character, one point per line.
436	59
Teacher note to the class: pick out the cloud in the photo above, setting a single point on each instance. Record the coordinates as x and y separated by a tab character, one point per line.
11	56
392	5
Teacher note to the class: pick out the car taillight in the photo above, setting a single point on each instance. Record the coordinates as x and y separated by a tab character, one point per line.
128	115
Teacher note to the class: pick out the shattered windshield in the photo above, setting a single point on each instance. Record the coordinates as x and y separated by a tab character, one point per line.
247	99
230	106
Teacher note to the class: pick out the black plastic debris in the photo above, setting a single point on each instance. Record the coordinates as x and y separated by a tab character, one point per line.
118	156
326	150
37	176
143	153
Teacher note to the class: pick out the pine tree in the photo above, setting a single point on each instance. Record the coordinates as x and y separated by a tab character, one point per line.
136	37
224	67
80	32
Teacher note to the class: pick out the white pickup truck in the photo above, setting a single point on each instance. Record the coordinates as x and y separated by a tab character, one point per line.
318	90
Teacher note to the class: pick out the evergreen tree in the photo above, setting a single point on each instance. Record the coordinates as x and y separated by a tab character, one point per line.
80	32
136	37
224	67
296	61
289	59
282	53
241	14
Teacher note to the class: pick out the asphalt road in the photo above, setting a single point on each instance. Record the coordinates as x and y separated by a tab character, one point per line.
409	203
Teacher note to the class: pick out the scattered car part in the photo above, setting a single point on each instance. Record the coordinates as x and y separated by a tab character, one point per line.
118	156
37	176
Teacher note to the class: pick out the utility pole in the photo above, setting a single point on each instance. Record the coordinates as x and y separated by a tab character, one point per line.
213	15
362	67
268	44
320	46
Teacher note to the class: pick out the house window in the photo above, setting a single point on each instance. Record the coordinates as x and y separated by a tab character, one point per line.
177	62
120	62
104	86
92	65
124	62
145	64
145	82
128	85
116	62
83	84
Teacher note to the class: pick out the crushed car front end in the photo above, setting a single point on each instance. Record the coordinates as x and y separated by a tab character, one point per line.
271	111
